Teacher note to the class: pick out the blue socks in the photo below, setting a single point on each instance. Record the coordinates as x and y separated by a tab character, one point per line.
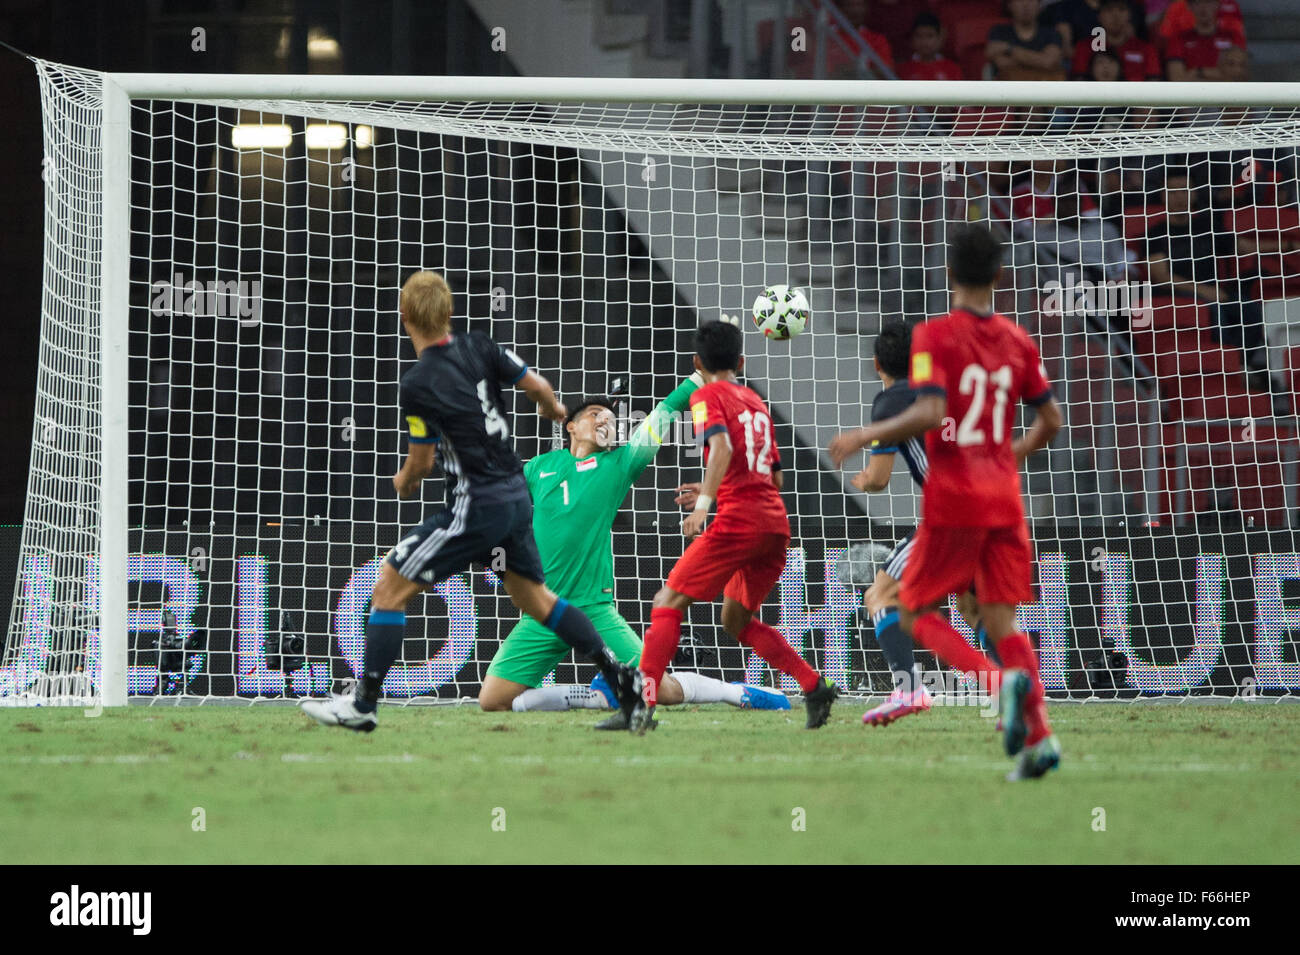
987	645
575	628
896	647
385	631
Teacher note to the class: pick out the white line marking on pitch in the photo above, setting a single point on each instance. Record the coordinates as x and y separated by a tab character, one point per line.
959	761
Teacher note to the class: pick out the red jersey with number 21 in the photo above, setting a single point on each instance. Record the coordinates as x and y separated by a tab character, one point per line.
747	496
984	365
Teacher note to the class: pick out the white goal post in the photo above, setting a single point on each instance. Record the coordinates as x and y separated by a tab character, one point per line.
216	400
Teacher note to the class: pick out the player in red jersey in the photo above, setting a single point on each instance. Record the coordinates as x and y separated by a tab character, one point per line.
743	551
970	368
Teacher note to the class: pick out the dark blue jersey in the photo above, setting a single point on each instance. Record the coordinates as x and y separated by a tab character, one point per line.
452	397
894	400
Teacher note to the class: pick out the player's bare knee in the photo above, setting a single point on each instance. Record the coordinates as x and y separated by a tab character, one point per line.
906	619
735	618
386	597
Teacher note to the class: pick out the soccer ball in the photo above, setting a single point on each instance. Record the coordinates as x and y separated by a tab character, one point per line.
781	312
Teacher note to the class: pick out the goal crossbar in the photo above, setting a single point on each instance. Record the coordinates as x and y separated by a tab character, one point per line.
564	89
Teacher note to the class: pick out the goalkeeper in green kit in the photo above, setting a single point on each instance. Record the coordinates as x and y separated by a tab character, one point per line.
577	492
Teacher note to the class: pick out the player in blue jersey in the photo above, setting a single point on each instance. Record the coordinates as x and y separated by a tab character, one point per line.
452	402
892	354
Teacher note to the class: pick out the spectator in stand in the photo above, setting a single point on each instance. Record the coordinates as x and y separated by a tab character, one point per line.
1138	58
1231	173
1234	65
1035	198
858	12
1121	186
1266	230
1183	252
1103	67
1078	20
1155	13
1178	18
1194	54
1076	244
927	61
1023	49
894	19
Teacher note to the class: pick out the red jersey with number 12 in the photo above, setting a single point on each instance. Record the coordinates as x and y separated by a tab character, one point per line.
984	365
747	495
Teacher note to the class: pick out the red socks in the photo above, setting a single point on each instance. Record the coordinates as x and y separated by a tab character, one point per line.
660	644
937	635
768	643
1017	653
666	631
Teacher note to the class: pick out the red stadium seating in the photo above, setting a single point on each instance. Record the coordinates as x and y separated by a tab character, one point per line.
1281	270
1219	462
1138	222
968	38
953	12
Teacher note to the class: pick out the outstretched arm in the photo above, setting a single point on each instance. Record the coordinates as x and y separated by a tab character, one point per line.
648	437
540	392
924	414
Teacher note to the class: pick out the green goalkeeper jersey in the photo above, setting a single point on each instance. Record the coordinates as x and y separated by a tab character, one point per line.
575	501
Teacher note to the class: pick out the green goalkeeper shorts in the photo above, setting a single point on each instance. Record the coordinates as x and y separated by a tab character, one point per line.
531	651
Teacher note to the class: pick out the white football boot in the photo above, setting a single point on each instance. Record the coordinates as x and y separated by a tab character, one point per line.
340	710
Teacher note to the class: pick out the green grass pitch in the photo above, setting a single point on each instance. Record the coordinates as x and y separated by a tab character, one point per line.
1176	783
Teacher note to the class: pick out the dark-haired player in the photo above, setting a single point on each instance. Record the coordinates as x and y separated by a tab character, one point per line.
577	491
452	402
975	365
892	352
743	552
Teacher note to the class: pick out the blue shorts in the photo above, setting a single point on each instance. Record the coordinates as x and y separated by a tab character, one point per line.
896	562
494	533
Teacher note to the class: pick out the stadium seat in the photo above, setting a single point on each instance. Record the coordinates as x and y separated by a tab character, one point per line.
1219	397
1138	222
1182	354
968	38
1281	271
953	12
1247	475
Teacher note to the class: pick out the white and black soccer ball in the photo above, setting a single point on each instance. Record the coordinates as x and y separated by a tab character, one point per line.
781	312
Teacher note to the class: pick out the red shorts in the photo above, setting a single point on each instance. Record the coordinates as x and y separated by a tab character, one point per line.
743	563
944	560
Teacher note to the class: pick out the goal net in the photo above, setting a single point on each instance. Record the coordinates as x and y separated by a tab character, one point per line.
217	423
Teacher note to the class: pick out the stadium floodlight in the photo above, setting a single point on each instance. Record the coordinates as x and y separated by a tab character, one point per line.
217	406
261	136
326	136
